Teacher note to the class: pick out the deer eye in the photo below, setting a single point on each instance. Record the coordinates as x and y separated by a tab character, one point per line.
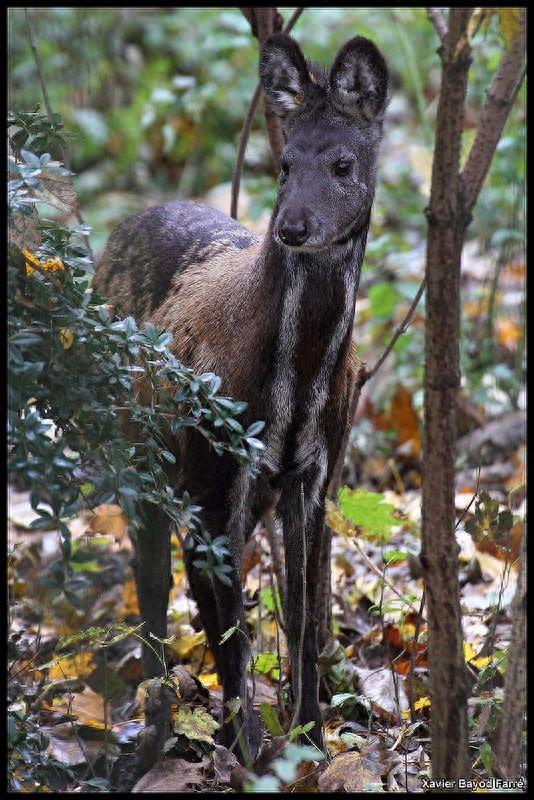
342	167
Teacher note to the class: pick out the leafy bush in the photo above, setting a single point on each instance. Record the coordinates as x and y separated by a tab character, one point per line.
74	371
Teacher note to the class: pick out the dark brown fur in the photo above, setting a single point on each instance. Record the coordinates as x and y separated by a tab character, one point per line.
274	320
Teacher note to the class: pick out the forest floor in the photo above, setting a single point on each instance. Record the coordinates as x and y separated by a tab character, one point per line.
75	671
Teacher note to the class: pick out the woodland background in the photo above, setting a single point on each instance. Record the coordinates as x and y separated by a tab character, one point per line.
153	102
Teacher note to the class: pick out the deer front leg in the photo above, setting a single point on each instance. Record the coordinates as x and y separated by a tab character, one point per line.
153	577
221	608
301	508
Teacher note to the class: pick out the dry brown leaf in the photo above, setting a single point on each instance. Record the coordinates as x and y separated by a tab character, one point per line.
23	232
72	750
171	776
131	667
377	685
346	774
87	706
109	519
223	763
402	419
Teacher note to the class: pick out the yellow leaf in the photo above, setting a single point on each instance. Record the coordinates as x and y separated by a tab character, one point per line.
423	702
76	666
337	522
66	337
209	680
469	651
183	646
481	662
510	24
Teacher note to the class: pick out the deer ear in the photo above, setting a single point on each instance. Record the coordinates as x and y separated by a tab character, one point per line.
284	75
359	80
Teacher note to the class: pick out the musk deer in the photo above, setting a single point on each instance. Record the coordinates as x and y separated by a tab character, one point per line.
274	319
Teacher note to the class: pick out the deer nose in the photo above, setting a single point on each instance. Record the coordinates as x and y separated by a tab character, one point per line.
294	233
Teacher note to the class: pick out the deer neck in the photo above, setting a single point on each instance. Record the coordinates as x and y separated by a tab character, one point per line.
313	296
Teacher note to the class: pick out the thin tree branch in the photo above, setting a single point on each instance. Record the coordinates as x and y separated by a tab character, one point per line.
49	112
242	146
500	97
362	376
247	124
273	537
435	15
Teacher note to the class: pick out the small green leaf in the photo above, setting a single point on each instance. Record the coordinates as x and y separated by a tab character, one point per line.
369	511
270	719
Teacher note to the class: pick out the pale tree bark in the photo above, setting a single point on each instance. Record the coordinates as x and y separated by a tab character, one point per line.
452	199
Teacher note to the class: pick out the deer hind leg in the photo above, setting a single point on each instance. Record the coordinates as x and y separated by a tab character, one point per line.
221	608
308	491
153	577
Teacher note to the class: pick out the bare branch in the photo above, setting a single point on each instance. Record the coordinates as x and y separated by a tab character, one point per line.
247	124
400	330
362	376
242	146
500	97
435	15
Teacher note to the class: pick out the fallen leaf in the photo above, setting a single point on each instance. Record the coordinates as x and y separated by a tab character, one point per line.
195	724
183	646
346	774
87	706
109	519
210	680
223	763
66	337
78	665
70	749
377	685
170	777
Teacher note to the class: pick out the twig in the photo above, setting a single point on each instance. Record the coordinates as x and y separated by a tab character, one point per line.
49	112
385	642
276	615
298	702
470	503
436	17
274	545
249	117
382	577
243	140
362	376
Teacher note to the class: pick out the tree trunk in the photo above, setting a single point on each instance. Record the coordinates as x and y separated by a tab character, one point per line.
439	554
263	22
508	745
